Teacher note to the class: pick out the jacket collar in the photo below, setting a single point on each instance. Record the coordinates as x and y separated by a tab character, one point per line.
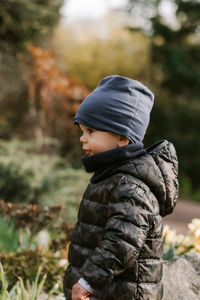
101	163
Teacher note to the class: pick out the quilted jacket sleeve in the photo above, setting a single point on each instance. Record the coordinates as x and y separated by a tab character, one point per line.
129	215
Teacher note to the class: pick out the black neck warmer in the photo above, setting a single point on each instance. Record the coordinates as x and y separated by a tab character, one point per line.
103	162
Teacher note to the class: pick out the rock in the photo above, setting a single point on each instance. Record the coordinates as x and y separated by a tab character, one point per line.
181	277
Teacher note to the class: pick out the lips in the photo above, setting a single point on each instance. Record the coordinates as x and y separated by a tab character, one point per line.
87	152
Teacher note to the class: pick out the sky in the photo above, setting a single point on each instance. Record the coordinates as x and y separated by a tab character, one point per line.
74	10
88	9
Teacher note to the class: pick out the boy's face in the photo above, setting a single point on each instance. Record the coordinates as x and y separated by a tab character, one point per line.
96	141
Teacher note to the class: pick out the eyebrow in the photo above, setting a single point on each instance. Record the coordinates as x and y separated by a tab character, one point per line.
86	127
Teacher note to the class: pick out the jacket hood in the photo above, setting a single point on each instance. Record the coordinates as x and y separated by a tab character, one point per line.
158	169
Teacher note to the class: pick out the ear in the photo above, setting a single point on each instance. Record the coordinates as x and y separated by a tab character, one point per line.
123	141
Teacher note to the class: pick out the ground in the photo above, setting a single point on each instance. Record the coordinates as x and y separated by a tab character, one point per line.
184	212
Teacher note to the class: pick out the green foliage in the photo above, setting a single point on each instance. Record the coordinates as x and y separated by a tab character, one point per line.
168	253
24	20
175	58
31	216
23	174
18	291
175	50
117	53
25	264
67	188
178	56
28	176
13	94
187	190
21	21
185	186
9	237
14	184
179	124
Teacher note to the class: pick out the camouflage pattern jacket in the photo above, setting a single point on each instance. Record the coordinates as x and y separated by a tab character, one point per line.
117	242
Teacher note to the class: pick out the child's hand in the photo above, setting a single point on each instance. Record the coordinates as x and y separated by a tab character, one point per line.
79	292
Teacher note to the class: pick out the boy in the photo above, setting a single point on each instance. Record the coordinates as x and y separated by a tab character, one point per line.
117	243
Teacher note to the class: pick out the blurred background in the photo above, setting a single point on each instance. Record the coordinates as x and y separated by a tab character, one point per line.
52	54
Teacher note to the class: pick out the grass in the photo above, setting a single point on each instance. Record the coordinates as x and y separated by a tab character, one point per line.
20	292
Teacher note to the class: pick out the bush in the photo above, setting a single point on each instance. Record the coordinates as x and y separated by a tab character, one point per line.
29	175
25	264
14	183
187	190
31	216
23	174
18	291
9	238
67	186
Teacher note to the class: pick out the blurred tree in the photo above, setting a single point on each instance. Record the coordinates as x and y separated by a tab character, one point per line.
25	20
92	55
21	21
175	49
175	57
53	99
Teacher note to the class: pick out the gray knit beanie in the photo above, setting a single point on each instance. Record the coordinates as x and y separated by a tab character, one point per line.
118	104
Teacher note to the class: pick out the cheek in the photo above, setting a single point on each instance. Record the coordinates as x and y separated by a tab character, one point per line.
96	145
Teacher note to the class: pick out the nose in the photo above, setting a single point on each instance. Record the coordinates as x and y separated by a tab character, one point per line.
83	139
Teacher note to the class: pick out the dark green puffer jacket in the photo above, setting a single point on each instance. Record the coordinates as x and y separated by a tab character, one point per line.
117	242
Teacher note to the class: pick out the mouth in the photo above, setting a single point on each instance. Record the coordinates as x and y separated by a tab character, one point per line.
87	152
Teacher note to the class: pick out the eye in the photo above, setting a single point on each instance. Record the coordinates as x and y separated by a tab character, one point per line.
80	131
90	130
